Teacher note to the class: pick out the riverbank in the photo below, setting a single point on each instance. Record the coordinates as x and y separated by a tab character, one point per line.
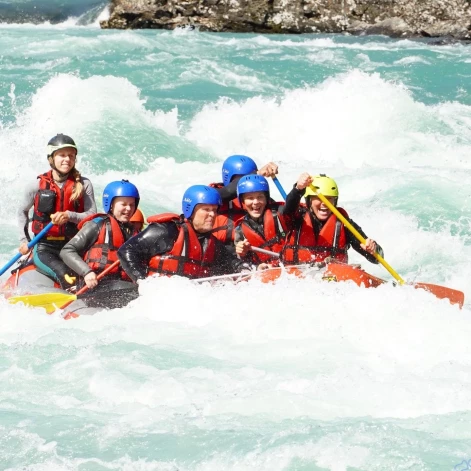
395	18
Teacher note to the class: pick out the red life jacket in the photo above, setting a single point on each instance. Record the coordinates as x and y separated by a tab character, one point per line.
274	233
104	252
229	214
302	245
187	257
62	203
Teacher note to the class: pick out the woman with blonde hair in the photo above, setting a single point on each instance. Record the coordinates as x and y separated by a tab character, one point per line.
61	196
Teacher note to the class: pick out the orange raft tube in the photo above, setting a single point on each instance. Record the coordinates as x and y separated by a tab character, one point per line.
333	272
342	272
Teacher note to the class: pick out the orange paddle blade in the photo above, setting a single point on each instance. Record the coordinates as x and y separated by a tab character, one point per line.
442	292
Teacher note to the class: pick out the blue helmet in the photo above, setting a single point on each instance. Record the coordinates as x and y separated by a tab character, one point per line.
199	194
119	188
237	165
252	183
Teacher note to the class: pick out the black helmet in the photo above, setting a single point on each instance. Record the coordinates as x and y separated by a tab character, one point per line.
59	142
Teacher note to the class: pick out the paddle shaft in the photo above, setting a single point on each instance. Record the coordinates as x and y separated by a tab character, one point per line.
280	188
236	275
53	301
360	238
223	277
266	252
441	292
100	276
85	288
31	244
348	225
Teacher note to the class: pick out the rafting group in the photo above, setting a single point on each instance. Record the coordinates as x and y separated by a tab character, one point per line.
223	228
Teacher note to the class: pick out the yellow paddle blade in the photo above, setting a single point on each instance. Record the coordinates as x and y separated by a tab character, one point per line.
48	301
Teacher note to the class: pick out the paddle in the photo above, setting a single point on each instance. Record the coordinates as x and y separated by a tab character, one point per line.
31	244
53	301
454	296
280	188
266	252
441	292
231	276
234	276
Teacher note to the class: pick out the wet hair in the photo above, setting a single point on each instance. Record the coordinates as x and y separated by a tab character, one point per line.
78	185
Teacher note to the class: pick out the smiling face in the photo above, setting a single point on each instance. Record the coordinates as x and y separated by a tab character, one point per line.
203	217
254	203
123	208
319	209
64	159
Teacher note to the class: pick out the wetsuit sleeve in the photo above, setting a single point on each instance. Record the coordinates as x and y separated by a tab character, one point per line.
72	253
136	253
22	215
229	192
355	243
89	204
292	201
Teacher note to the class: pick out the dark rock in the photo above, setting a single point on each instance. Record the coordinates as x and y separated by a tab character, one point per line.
396	18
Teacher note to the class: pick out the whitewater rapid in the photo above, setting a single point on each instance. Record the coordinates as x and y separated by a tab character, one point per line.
299	375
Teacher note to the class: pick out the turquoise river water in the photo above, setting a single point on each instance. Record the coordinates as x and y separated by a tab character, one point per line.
293	376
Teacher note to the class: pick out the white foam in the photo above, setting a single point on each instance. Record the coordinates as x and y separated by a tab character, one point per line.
412	60
300	373
296	349
352	120
78	105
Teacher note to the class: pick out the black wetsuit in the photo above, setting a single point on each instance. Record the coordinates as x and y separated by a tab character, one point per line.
229	192
159	238
48	262
112	291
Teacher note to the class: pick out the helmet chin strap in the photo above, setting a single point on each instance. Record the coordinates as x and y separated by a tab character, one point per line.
62	176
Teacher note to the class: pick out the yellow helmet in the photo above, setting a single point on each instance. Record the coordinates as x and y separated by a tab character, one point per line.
324	184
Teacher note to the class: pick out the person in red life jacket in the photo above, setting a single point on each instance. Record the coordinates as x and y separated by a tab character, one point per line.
265	224
94	248
318	234
230	213
62	196
182	245
138	220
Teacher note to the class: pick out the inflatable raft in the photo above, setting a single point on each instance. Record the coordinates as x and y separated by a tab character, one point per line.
338	272
325	272
332	271
33	288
